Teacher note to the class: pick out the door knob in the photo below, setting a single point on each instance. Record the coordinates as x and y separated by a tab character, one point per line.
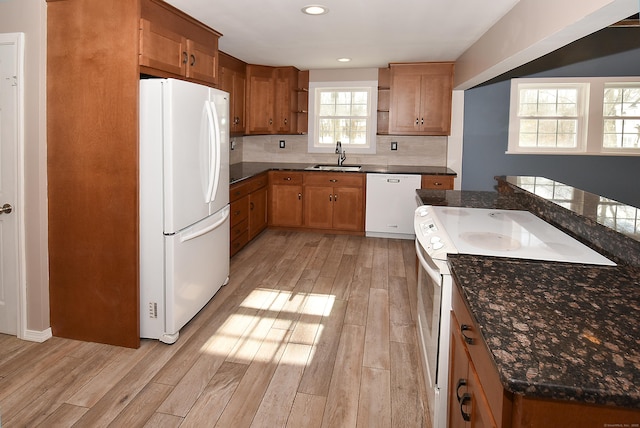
6	209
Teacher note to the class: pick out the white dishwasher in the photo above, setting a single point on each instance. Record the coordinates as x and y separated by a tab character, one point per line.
391	202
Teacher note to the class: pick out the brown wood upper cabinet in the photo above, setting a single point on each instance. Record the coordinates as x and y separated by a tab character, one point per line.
174	44
271	99
420	98
233	79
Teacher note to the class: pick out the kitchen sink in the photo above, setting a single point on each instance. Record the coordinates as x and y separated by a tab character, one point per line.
350	168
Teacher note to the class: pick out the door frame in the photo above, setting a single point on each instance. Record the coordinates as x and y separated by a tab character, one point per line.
17	39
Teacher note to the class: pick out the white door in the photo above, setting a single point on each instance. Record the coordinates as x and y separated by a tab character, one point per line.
9	140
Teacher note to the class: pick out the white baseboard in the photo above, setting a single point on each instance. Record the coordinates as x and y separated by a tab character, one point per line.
37	336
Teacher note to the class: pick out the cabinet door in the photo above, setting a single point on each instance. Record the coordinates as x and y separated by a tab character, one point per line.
162	49
468	405
260	99
202	61
404	112
285	83
459	393
436	92
285	205
257	212
318	207
237	110
348	208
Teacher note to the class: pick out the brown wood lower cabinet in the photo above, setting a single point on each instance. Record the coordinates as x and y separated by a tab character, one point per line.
248	200
478	399
285	199
334	201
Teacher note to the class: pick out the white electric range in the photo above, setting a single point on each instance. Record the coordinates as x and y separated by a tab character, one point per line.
442	230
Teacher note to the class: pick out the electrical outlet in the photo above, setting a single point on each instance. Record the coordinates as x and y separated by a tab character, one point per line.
394	145
282	144
233	144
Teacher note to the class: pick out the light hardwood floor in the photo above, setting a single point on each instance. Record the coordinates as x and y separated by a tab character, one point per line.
312	330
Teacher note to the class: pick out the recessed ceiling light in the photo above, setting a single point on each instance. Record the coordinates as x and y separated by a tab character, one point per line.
315	9
344	59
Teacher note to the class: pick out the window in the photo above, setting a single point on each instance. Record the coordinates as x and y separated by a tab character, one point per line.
575	116
621	109
342	111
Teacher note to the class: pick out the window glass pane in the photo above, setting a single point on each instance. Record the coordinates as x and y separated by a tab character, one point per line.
327	98
327	110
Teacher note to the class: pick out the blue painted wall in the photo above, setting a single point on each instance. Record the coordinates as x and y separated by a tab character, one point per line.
610	52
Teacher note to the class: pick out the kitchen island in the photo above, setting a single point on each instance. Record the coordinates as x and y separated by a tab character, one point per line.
562	339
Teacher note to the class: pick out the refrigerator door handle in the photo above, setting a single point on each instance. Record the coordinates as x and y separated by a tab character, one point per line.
214	150
225	215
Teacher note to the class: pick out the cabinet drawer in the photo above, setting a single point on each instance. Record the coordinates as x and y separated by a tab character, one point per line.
341	179
257	182
438	182
239	210
480	358
240	228
239	190
285	177
239	242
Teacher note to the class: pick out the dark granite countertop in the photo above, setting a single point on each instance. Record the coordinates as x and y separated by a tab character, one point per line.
244	170
557	330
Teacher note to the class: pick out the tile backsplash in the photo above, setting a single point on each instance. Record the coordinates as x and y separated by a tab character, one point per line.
427	151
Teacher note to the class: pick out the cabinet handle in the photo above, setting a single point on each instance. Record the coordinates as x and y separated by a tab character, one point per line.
236	213
252	206
270	121
417	120
466	397
422	121
437	184
285	120
193	60
461	383
335	197
463	328
299	196
287	179
333	180
330	197
185	57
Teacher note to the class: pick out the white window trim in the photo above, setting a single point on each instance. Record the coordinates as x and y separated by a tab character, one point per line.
590	133
372	127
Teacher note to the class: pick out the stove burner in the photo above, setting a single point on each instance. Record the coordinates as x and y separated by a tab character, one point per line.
491	241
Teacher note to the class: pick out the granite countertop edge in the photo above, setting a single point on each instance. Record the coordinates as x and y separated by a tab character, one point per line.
552	344
244	170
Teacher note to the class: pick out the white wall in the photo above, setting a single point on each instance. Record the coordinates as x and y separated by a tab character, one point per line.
29	17
533	28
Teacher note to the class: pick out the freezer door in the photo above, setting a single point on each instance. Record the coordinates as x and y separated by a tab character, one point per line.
196	266
194	133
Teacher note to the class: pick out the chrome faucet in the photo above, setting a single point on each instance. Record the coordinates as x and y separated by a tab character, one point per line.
341	153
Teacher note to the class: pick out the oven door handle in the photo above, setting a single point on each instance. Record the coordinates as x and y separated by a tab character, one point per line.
434	273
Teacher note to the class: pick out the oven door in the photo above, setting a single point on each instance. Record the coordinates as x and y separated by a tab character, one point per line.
434	307
429	293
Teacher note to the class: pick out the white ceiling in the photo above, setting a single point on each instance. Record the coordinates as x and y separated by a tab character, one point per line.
371	32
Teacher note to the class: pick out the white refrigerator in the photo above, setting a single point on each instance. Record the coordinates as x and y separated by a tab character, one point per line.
184	202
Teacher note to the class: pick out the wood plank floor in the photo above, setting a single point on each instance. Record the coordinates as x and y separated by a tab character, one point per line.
312	330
